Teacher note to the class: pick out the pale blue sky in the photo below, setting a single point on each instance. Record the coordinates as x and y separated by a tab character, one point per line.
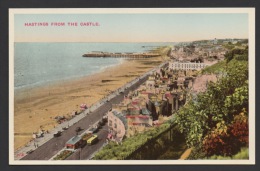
132	27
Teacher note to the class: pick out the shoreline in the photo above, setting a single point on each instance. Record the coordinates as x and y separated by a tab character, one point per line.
84	120
41	104
68	79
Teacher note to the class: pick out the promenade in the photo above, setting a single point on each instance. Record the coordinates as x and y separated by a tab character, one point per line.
46	147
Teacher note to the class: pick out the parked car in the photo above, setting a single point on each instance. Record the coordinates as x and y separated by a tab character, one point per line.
65	128
104	119
92	130
78	129
100	124
57	134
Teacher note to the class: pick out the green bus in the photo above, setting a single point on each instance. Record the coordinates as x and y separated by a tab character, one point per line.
92	140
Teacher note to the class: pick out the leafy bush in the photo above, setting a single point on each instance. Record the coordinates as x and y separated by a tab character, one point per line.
241	57
196	153
243	154
63	155
129	145
243	53
229	46
209	122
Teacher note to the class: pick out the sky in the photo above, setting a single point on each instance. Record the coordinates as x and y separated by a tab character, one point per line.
147	27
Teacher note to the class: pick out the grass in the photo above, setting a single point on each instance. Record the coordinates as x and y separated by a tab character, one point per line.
215	69
220	67
242	155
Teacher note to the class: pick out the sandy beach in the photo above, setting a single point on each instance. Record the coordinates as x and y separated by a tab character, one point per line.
37	107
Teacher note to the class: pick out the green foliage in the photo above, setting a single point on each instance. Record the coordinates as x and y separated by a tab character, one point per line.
173	152
129	145
208	122
196	153
244	41
63	155
243	154
241	54
243	57
238	44
217	68
235	102
227	139
213	123
163	142
229	56
219	142
229	46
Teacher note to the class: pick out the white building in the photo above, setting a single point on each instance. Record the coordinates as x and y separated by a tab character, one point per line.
215	41
181	49
117	124
186	66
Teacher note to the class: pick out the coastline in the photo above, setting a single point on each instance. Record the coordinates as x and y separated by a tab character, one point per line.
40	105
53	82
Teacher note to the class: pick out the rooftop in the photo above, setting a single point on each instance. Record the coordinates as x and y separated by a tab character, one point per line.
121	116
145	111
74	140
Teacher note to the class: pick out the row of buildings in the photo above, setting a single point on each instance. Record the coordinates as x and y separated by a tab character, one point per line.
206	51
152	103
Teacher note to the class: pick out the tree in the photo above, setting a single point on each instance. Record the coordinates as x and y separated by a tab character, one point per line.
237	51
239	128
212	115
227	140
238	44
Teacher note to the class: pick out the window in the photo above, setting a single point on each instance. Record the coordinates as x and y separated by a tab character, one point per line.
110	123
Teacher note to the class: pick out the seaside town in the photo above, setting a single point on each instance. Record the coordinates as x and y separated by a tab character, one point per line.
149	106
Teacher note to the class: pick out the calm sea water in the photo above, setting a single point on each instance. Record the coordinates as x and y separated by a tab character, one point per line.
40	63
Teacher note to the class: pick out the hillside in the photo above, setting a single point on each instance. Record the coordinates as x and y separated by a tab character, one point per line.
216	122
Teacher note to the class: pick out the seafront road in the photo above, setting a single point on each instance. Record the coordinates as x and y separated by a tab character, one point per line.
54	145
87	151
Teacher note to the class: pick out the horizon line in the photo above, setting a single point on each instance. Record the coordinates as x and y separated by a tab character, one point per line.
122	41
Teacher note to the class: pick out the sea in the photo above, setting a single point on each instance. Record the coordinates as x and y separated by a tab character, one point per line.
36	64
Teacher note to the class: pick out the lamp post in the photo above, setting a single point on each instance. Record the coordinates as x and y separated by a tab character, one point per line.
80	154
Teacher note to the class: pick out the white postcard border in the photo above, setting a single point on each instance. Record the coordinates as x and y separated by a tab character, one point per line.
251	15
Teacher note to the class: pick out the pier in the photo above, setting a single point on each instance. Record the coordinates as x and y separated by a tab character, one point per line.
100	54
